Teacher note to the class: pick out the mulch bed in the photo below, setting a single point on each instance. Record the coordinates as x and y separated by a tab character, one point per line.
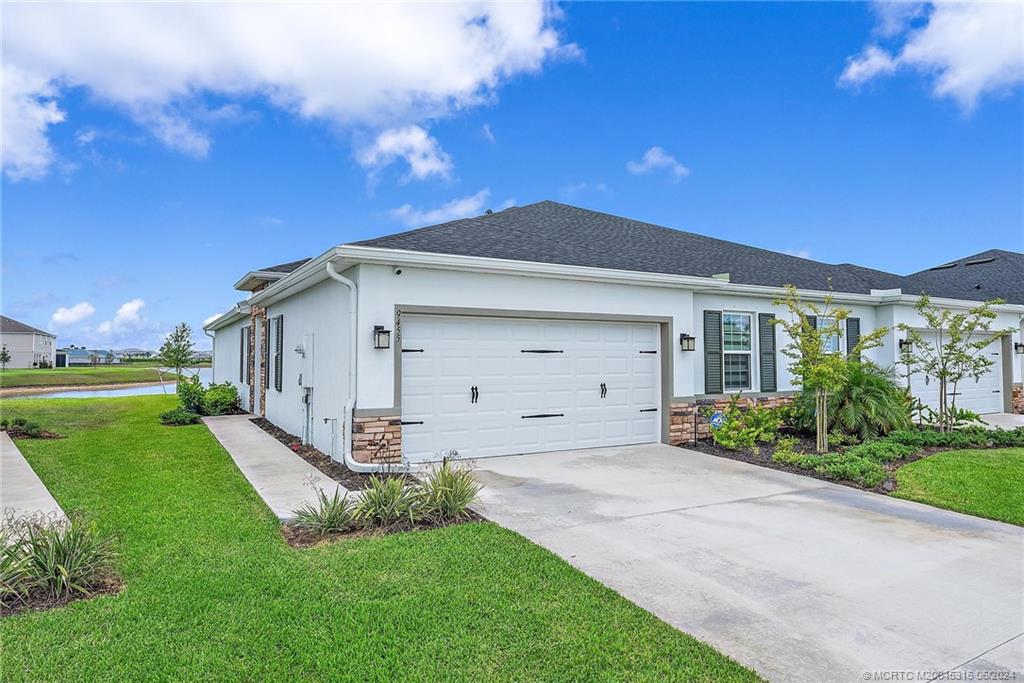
301	538
18	433
353	481
39	601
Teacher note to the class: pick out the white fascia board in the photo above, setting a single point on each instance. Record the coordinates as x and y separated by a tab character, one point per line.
236	313
258	275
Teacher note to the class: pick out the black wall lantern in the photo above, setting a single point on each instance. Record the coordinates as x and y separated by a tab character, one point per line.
1019	348
381	337
687	342
905	346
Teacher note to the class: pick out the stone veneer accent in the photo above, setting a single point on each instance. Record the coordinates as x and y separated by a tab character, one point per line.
1017	402
377	439
685	418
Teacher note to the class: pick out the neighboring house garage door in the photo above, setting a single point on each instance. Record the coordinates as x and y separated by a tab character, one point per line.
983	396
479	387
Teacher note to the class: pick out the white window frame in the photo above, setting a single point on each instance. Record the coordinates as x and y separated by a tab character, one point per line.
838	337
751	378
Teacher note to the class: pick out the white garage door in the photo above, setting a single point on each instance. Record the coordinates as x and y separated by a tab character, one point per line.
982	396
479	387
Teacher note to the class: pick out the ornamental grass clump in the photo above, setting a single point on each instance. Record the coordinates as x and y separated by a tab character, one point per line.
329	516
448	491
389	502
45	558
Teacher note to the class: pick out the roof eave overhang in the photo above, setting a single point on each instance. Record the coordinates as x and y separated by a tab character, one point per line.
250	280
314	271
237	313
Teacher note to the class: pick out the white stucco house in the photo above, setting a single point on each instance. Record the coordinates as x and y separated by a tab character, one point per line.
549	327
29	347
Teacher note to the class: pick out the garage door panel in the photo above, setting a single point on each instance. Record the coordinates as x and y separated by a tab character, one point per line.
982	396
462	352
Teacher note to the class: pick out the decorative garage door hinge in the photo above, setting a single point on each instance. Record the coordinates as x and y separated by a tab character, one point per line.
540	351
530	417
412	422
648	410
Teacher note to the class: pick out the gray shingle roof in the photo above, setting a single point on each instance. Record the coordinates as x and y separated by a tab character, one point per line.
550	232
991	274
12	326
285	267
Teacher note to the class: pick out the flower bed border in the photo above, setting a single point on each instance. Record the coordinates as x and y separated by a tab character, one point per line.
39	601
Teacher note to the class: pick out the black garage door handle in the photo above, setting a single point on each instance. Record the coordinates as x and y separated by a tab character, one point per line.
530	417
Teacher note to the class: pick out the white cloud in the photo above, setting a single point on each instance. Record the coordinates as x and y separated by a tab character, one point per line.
361	65
969	49
461	207
69	316
487	132
656	158
573	189
128	318
412	144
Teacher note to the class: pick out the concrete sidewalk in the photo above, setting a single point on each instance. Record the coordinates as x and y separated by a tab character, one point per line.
21	490
285	481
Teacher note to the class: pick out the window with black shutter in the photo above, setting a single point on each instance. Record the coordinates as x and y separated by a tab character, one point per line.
248	347
278	351
265	340
241	354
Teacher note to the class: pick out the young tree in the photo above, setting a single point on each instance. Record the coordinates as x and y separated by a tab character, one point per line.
817	366
177	350
953	353
5	357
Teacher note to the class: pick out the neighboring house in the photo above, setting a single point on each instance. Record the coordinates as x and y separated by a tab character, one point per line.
550	327
29	347
74	356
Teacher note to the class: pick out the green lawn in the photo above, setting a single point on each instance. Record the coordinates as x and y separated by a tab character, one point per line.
112	374
986	483
212	592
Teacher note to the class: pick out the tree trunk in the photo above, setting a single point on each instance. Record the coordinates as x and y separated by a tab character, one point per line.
821	415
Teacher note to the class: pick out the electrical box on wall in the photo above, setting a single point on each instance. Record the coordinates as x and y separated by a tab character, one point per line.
308	375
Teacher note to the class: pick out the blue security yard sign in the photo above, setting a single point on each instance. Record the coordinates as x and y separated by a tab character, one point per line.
717	419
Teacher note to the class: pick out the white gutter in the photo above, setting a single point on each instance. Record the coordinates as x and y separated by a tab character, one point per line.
213	348
350	404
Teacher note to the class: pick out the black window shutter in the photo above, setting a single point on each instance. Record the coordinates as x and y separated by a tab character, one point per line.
265	335
713	352
812	320
766	343
852	335
248	345
278	351
241	355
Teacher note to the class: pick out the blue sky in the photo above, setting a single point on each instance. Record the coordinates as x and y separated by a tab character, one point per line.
825	130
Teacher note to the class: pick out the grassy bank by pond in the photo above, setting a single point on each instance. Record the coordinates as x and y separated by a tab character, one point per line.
88	376
211	590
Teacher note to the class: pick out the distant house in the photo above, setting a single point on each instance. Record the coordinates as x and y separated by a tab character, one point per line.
78	356
29	347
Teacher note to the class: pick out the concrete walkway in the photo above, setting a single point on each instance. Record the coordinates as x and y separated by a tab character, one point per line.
285	481
21	490
797	578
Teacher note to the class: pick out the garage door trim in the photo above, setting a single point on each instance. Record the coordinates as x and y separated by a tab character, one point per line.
664	327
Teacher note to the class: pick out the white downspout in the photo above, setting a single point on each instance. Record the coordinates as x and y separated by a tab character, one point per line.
213	345
346	432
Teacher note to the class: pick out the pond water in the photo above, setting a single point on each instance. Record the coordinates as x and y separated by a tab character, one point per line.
205	376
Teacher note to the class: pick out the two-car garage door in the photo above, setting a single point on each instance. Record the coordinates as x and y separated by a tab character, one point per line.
476	387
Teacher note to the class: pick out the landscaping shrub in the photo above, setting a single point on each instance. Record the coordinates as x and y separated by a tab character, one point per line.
220	399
970	437
20	428
331	515
869	404
178	417
448	491
190	394
52	558
389	501
881	451
745	427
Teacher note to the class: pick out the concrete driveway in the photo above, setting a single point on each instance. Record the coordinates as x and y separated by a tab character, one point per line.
795	578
